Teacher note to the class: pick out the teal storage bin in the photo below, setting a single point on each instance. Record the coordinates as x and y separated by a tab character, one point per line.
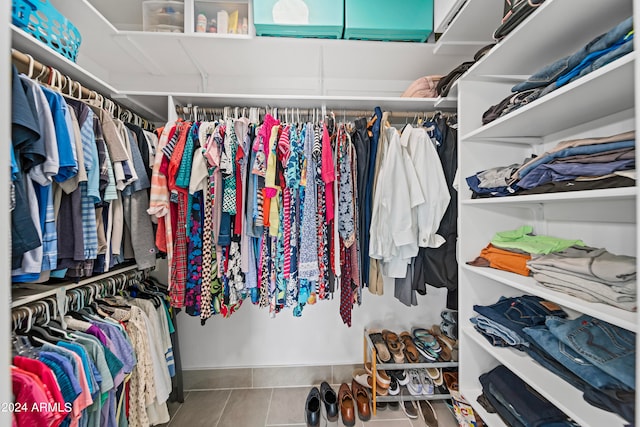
299	18
399	20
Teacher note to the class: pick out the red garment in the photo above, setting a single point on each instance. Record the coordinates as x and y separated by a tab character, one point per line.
28	392
179	270
52	389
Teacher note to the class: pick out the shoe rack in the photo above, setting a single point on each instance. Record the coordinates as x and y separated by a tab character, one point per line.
369	349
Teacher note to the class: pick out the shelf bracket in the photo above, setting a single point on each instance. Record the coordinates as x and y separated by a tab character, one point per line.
143	58
204	77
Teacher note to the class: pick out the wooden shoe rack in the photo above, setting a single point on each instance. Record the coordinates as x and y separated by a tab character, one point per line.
369	349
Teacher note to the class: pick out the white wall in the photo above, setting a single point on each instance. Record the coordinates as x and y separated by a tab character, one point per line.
5	267
249	338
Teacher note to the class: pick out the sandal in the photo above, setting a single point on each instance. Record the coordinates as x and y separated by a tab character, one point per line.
382	378
410	349
380	345
395	345
427	344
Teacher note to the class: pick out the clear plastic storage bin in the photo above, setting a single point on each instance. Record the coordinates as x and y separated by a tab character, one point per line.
163	16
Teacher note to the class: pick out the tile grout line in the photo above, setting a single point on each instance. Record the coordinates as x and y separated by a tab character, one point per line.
266	418
178	411
224	407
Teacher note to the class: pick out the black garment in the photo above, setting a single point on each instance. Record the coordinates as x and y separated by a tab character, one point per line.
362	143
69	225
438	266
29	151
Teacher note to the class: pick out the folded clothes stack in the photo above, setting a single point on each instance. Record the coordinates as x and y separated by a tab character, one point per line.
579	164
567	266
592	355
599	52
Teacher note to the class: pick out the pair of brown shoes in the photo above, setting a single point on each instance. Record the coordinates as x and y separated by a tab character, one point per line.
352	400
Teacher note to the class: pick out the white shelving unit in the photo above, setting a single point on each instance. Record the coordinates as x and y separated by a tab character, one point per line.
471	28
183	63
601	103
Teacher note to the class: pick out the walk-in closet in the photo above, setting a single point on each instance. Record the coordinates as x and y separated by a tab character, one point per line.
416	213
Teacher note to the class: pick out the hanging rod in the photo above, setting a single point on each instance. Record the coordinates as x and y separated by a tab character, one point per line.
44	73
190	110
44	291
106	286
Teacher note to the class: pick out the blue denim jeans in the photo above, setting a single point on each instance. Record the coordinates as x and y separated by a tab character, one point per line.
618	402
504	336
607	346
520	312
517	403
551	72
573	361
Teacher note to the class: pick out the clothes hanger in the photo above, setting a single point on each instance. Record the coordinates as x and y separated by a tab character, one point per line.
30	66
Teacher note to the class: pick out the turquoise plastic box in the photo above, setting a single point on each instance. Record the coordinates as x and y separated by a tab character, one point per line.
299	18
398	20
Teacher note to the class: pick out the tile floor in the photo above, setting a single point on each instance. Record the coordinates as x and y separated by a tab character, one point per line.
273	407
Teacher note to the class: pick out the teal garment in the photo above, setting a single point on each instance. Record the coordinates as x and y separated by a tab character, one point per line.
169	321
96	351
87	364
113	363
522	239
184	172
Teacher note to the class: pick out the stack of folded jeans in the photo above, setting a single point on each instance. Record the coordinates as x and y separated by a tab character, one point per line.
589	273
578	164
597	53
592	355
502	323
504	393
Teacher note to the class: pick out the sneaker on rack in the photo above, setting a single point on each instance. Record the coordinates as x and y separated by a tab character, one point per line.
427	382
400	376
410	409
449	316
394	387
450	330
415	382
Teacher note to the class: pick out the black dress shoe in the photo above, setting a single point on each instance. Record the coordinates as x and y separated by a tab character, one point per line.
312	408
330	400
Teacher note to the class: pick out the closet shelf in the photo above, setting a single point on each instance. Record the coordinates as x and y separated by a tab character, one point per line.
559	392
625	319
493	420
397	366
159	35
30	292
28	44
609	194
547	35
446	103
471	28
42	53
566	107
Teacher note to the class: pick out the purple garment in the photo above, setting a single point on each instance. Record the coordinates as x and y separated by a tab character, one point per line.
121	346
548	172
96	332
